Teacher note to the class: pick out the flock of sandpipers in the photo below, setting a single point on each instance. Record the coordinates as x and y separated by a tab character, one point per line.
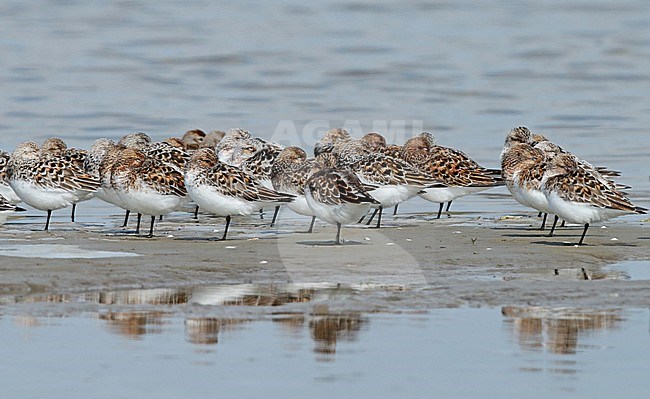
228	174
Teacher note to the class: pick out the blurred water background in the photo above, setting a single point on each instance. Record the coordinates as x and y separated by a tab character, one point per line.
577	71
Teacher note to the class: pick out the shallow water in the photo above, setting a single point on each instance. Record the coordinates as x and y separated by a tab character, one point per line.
631	270
577	71
487	352
57	251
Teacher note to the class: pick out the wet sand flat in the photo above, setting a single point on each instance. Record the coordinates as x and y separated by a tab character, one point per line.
456	261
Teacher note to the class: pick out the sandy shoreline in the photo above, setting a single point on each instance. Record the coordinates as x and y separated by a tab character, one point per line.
448	262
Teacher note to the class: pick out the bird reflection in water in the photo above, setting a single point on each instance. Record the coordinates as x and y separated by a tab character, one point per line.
134	325
557	329
205	330
328	328
159	296
202	330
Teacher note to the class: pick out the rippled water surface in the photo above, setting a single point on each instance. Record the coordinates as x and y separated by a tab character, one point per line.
577	71
489	353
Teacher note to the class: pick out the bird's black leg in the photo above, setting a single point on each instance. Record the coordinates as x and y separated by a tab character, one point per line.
311	225
225	232
47	222
544	221
381	211
137	228
372	216
554	224
584	233
338	233
275	215
126	217
153	220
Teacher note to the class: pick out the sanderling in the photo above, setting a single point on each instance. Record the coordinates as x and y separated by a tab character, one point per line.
551	150
260	164
192	139
395	151
212	139
392	150
7	208
146	185
55	147
375	141
337	196
175	142
225	190
256	157
393	179
99	162
523	135
330	140
5	189
229	143
47	183
516	136
167	154
522	167
580	195
289	174
517	154
137	140
174	157
96	154
449	166
163	152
